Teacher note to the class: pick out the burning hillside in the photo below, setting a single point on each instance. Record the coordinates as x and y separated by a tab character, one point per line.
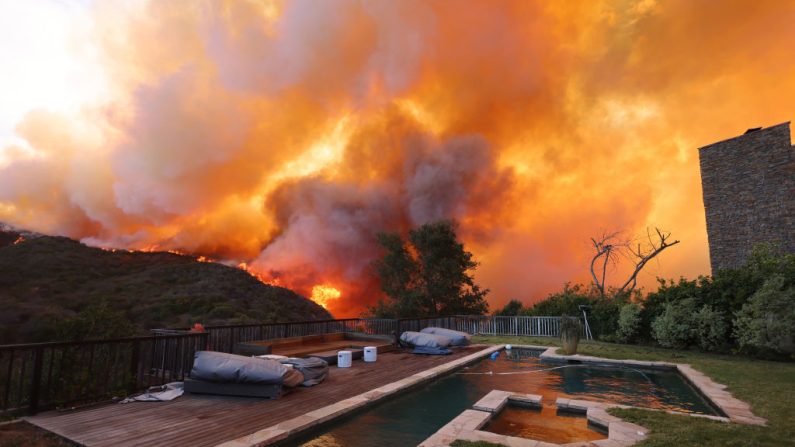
283	136
45	280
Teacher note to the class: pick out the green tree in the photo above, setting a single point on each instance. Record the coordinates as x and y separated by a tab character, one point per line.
97	321
428	274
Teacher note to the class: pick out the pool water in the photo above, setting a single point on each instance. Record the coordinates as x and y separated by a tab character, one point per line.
410	418
544	424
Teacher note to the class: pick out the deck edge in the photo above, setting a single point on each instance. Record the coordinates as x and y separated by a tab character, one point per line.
291	427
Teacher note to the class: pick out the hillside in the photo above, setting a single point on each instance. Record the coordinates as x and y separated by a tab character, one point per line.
46	281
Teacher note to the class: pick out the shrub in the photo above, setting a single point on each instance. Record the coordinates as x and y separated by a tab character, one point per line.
766	323
603	317
512	308
710	329
674	327
565	302
97	321
668	292
628	323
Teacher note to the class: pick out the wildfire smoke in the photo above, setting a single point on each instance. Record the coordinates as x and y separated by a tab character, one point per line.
285	135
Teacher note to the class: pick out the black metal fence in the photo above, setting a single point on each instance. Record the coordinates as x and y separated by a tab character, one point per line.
61	374
226	338
40	376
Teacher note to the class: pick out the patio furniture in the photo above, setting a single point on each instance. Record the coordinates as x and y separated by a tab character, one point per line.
457	338
344	359
370	353
235	375
419	339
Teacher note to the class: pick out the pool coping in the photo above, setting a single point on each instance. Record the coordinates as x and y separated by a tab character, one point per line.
467	425
735	409
292	427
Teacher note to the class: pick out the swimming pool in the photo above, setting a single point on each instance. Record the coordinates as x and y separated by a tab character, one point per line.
410	418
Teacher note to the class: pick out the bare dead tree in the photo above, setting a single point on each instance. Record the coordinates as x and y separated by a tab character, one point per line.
609	247
606	251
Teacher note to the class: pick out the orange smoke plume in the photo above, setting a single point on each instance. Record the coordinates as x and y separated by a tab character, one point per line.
286	135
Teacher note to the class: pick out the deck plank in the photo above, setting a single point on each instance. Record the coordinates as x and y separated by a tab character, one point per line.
200	420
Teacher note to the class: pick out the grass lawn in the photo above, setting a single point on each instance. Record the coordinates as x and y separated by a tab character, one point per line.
768	386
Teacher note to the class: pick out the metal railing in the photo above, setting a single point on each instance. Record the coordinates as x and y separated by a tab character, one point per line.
226	338
47	375
527	326
41	376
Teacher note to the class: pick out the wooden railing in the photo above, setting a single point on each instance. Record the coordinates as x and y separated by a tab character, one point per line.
41	376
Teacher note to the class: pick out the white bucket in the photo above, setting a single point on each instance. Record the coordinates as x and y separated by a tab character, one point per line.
344	359
370	353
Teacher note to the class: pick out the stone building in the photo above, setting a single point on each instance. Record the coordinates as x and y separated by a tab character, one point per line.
749	194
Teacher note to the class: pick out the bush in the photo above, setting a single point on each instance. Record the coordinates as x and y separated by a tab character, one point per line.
565	302
766	323
511	309
97	321
668	292
710	329
726	292
674	327
603	317
628	323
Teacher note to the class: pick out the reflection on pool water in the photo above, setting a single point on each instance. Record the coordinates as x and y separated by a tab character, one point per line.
545	424
408	419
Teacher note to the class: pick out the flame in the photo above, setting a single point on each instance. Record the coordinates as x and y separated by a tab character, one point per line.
325	295
260	277
19	240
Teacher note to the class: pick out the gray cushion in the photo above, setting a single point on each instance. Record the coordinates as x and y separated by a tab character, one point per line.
315	370
230	368
419	339
457	338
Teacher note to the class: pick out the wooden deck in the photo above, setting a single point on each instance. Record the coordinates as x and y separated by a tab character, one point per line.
199	420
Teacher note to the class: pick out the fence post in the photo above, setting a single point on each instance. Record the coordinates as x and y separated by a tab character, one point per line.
35	385
204	341
134	359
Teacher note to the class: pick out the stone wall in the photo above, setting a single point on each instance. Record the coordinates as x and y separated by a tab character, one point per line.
749	194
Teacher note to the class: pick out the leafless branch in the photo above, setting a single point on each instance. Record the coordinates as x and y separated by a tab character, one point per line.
608	247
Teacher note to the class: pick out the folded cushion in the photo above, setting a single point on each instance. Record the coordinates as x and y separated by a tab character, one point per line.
314	370
292	378
419	339
457	338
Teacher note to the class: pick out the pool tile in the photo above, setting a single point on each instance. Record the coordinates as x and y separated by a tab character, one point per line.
492	402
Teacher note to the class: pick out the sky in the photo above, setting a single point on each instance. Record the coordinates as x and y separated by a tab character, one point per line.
282	137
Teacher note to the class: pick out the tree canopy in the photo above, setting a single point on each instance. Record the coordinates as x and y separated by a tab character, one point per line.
427	275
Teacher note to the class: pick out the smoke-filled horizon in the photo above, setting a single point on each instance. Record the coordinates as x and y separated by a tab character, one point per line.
286	135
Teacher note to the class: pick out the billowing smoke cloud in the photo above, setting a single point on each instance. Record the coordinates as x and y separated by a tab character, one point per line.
329	227
288	134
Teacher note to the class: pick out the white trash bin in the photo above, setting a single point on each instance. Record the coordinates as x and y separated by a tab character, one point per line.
370	353
344	359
